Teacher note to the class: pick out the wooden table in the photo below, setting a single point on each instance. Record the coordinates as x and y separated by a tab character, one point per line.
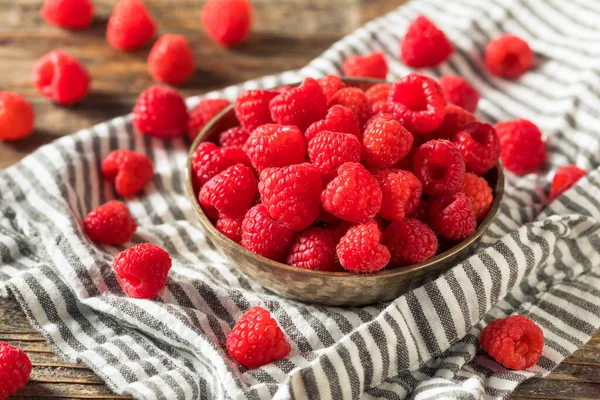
287	34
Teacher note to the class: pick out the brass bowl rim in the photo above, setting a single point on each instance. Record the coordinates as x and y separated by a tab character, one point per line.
393	272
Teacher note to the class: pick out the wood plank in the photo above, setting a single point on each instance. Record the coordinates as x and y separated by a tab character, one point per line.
550	389
67	390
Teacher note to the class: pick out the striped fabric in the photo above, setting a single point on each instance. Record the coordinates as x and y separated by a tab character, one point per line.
536	260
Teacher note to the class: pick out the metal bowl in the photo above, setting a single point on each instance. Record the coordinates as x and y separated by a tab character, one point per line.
334	288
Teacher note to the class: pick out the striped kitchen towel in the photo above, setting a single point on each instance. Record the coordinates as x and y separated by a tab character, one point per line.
537	259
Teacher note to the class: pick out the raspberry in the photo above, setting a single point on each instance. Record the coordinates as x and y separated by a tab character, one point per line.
421	212
360	249
424	44
273	145
234	137
385	142
508	56
480	193
111	223
338	119
171	59
453	216
458	91
314	249
282	89
455	119
161	112
208	160
401	193
60	77
292	194
329	150
515	342
203	113
142	270
128	171
256	339
68	14
523	149
418	103
252	108
378	92
373	65
230	193
15	368
264	236
329	219
354	99
479	145
231	227
330	84
130	25
227	22
300	106
564	179
354	195
410	241
439	165
16	116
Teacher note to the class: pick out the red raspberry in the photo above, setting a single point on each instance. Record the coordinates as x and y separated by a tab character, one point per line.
480	193
328	150
401	193
418	102
338	119
300	106
15	368
230	193
203	113
410	241
208	160
256	339
273	145
314	249
60	77
128	171
458	91
354	195
68	14
161	112
231	227
385	142
378	92
16	116
373	65
264	236
523	149
130	25
292	194
424	44
421	212
453	216
508	56
360	249
227	22
515	342
356	100
171	59
564	179
282	89
329	219
455	119
330	84
234	137
479	145
142	270
111	223
252	108
440	166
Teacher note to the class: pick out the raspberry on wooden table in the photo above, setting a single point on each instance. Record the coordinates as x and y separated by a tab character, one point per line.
424	44
300	106
111	223
480	193
68	14
409	241
480	146
202	113
252	108
208	160
229	193
455	119
230	227
460	92
15	368
234	137
314	249
329	150
338	119
373	65
440	166
60	77
264	236
227	22
354	99
453	216
564	178
378	92
171	59
385	142
161	112
142	270
256	339
515	342
401	193
508	56
128	171
360	250
274	145
330	84
523	149
130	25
16	116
